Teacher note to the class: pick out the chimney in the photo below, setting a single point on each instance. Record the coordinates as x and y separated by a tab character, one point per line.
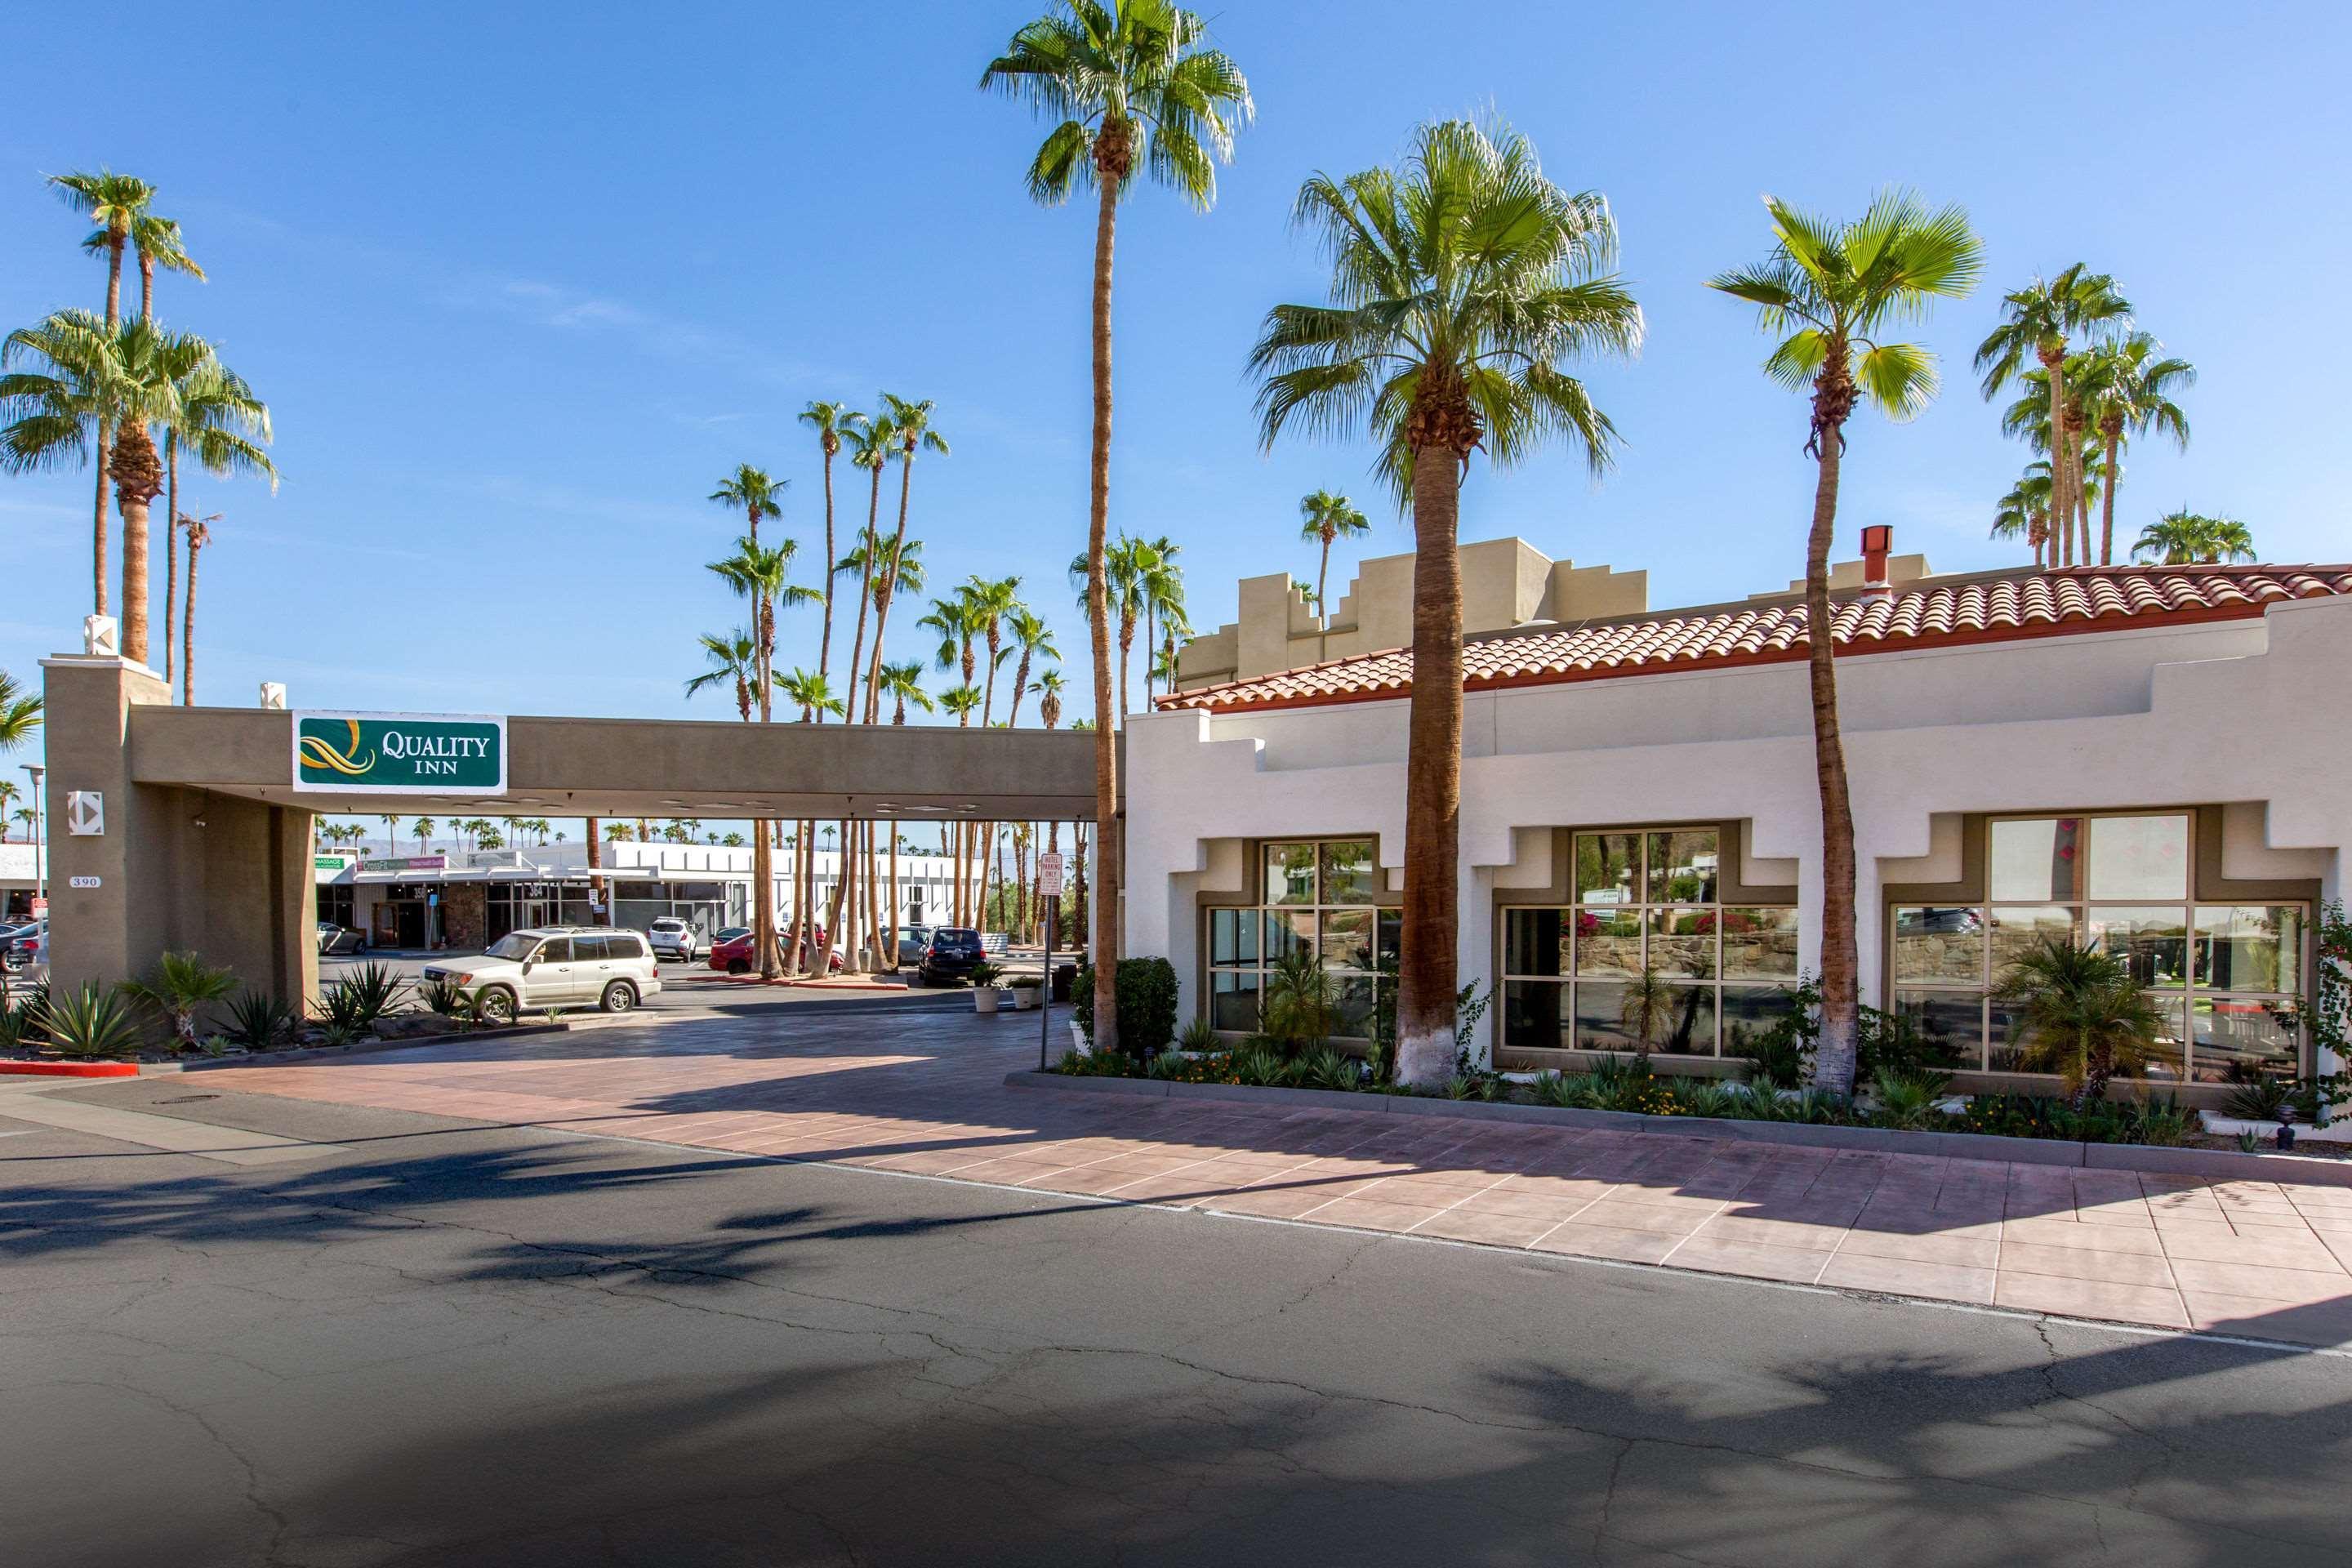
1878	540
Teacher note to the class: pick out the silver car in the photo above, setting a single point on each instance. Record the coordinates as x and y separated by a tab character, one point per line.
674	938
560	966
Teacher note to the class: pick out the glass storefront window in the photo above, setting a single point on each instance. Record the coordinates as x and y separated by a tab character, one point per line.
2256	948
1940	944
2037	860
2140	857
1949	1024
1317	900
1645	905
1607	865
2228	978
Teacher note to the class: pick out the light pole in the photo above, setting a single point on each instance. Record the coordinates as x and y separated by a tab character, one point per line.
40	844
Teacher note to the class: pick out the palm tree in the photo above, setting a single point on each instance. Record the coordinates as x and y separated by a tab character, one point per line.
1129	84
2126	386
2184	538
619	833
734	658
222	423
182	984
20	714
872	441
910	422
989	602
1461	284
827	419
961	700
1832	287
199	531
30	820
751	489
117	205
1324	516
9	795
902	683
2081	1016
421	831
101	379
2039	319
898	568
757	572
1160	585
812	693
2024	511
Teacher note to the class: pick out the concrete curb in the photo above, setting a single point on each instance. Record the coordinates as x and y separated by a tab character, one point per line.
357	1049
2218	1165
70	1070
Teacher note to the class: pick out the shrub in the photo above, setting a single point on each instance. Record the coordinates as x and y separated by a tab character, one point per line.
1566	1090
1781	1056
258	1021
446	997
1909	1099
1328	1067
181	984
371	991
1705	1097
1200	1035
1144	996
28	1013
1298	1000
92	1022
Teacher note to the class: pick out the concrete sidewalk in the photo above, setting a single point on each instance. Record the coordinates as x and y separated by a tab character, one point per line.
925	1097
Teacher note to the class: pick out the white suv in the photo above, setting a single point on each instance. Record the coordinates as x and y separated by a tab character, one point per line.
560	966
672	938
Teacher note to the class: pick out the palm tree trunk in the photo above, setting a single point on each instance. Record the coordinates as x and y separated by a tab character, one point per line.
595	864
1432	778
882	609
1834	1055
2108	502
97	521
1322	611
188	633
171	545
1105	945
825	646
763	865
139	479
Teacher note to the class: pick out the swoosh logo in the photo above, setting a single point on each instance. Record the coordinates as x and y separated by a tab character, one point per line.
317	753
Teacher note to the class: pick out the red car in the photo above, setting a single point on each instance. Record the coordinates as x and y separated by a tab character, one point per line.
735	955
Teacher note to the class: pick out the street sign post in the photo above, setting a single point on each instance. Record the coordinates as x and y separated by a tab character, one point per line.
1053	891
1049	874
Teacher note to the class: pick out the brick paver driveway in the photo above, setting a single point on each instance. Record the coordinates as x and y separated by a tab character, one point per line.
926	1095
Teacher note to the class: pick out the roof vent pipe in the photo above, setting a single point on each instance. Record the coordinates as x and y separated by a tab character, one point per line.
1878	540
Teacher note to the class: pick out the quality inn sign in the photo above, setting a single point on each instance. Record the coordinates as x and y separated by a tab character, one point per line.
400	753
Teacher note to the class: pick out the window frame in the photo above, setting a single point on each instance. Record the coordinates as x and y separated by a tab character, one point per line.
1732	891
2207	888
1209	904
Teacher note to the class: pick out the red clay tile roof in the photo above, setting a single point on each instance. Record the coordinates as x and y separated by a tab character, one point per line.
2034	604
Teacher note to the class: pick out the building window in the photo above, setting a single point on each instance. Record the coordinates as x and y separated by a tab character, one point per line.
2227	977
1649	957
1315	896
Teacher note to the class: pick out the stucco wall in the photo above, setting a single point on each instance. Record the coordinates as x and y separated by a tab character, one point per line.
2254	712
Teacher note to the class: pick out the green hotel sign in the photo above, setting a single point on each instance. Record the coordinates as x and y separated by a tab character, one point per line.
400	753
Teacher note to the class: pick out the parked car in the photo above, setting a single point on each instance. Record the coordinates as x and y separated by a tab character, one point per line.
334	939
737	955
951	956
912	941
672	938
22	943
559	966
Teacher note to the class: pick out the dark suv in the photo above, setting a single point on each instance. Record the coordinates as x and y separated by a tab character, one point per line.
951	954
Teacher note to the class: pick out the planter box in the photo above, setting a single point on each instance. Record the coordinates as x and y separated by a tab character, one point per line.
2217	1164
985	998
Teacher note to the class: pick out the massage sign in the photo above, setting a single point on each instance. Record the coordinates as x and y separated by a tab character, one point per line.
400	753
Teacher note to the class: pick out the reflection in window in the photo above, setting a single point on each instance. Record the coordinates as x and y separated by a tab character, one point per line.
1317	900
1646	958
2240	966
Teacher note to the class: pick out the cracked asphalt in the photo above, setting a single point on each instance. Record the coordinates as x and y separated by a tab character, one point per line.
440	1342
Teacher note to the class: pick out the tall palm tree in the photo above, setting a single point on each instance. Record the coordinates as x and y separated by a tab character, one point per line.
2040	320
961	700
990	602
1324	516
812	692
199	531
2024	511
910	422
223	426
757	572
1832	287
734	659
2128	385
827	419
109	381
117	205
1461	284
421	831
2185	538
897	569
749	490
9	795
1131	86
1160	585
873	440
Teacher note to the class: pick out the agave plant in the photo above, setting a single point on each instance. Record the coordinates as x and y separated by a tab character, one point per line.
258	1021
1909	1099
371	991
92	1022
182	983
1706	1099
1330	1067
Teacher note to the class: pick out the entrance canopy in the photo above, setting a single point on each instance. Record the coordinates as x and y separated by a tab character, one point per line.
653	767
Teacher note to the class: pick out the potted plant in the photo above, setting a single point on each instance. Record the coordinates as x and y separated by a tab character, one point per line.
1026	989
985	996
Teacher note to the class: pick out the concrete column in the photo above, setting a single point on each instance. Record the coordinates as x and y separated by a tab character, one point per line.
107	932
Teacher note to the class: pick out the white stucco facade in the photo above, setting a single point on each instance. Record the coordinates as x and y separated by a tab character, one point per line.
2252	716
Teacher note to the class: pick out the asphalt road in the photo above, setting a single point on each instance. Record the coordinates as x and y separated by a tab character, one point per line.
432	1341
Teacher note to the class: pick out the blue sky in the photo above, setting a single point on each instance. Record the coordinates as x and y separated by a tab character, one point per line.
522	285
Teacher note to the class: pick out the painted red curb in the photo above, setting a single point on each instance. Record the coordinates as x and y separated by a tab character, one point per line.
71	1069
